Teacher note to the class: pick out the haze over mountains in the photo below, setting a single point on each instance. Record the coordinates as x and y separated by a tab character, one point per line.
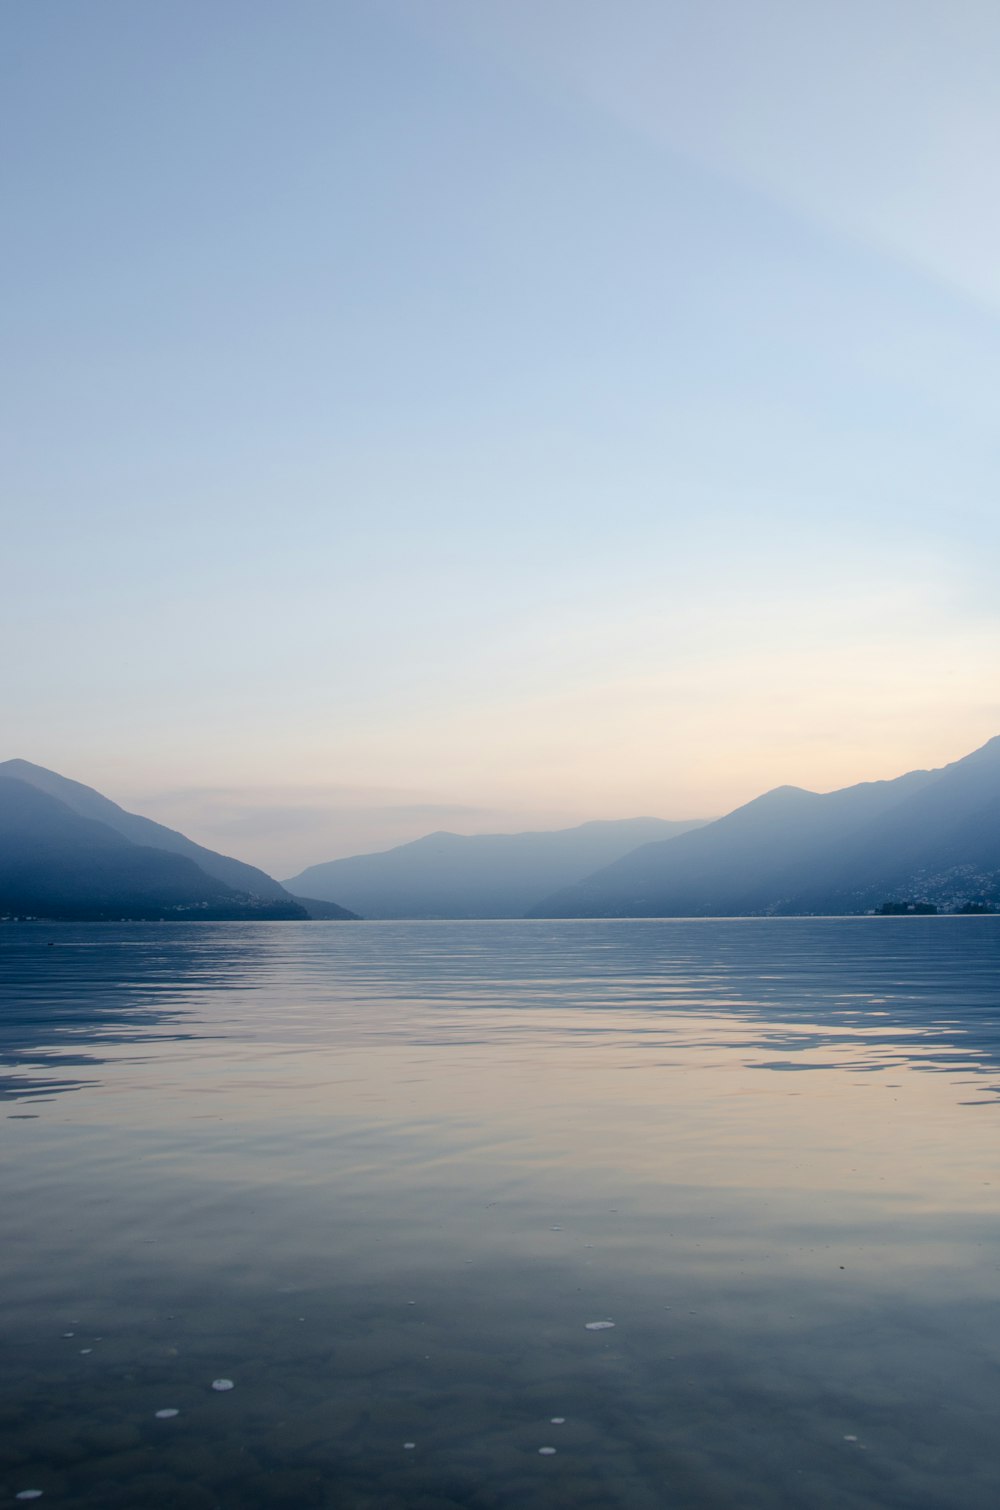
447	875
66	851
928	836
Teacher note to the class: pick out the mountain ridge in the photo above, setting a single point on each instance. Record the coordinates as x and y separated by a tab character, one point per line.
59	858
91	803
928	836
820	852
443	874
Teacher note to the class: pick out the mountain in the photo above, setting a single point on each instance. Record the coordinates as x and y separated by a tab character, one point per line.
90	804
325	912
67	851
448	875
53	863
930	836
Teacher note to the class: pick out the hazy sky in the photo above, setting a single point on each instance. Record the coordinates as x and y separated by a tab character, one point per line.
437	414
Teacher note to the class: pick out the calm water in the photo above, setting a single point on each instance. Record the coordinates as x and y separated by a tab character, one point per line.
381	1176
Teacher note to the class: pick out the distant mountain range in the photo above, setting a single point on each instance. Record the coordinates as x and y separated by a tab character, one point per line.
68	852
448	875
931	837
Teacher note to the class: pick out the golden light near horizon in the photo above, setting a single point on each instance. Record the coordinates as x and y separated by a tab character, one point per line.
633	456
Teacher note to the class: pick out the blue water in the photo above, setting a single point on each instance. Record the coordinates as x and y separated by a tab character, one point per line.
382	1176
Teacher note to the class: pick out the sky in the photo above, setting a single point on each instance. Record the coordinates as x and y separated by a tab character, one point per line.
425	415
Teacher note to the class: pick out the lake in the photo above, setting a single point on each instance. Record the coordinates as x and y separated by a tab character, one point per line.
387	1178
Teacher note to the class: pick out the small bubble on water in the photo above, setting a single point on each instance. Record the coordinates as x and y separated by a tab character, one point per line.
557	1420
65	1334
223	1384
168	1414
598	1326
85	1350
850	1439
546	1452
29	1494
409	1446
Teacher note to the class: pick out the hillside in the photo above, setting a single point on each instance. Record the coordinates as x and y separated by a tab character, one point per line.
88	859
90	804
55	864
929	835
446	875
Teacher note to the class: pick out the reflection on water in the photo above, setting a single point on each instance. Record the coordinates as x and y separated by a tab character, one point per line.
382	1176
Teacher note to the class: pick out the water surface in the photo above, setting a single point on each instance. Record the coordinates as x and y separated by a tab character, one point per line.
382	1176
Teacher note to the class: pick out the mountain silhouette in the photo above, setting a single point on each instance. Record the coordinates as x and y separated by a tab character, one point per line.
931	836
68	851
445	875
